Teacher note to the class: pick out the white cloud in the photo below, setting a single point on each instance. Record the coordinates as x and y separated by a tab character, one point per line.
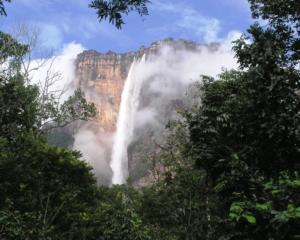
51	36
190	20
231	36
63	64
34	4
241	5
208	28
94	149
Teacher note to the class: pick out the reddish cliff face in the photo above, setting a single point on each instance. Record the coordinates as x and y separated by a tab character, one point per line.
102	77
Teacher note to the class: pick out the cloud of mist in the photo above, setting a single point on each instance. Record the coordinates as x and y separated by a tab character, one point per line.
95	148
167	75
59	68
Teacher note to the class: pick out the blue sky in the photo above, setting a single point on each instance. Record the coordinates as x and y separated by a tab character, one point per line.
65	21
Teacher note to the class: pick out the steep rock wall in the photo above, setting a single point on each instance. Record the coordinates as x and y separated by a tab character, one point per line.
102	77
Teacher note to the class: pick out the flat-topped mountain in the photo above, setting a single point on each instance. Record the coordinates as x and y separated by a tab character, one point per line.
102	77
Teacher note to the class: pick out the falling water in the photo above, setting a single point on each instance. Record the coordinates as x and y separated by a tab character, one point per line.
125	125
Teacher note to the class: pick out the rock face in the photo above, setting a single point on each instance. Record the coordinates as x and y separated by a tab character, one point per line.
102	77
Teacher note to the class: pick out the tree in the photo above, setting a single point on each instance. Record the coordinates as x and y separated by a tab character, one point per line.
245	135
50	112
243	140
284	18
47	192
114	10
44	190
117	215
182	206
226	140
2	9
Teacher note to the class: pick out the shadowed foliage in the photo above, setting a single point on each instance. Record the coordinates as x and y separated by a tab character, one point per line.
114	10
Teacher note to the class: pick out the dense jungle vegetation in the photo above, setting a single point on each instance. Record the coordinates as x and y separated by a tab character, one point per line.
232	162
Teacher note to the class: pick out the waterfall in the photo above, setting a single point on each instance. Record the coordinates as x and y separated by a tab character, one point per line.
125	124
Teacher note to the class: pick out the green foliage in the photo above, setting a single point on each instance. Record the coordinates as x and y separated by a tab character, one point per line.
76	108
273	212
44	190
284	17
38	180
10	54
114	10
116	215
237	212
52	114
47	192
9	47
18	108
276	10
244	139
182	206
16	225
2	9
24	105
61	137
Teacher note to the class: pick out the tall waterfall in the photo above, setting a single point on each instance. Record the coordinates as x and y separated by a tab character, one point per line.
125	124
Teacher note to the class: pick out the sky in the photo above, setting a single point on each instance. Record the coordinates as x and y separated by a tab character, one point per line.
62	22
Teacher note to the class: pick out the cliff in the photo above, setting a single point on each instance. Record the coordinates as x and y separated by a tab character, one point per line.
102	77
